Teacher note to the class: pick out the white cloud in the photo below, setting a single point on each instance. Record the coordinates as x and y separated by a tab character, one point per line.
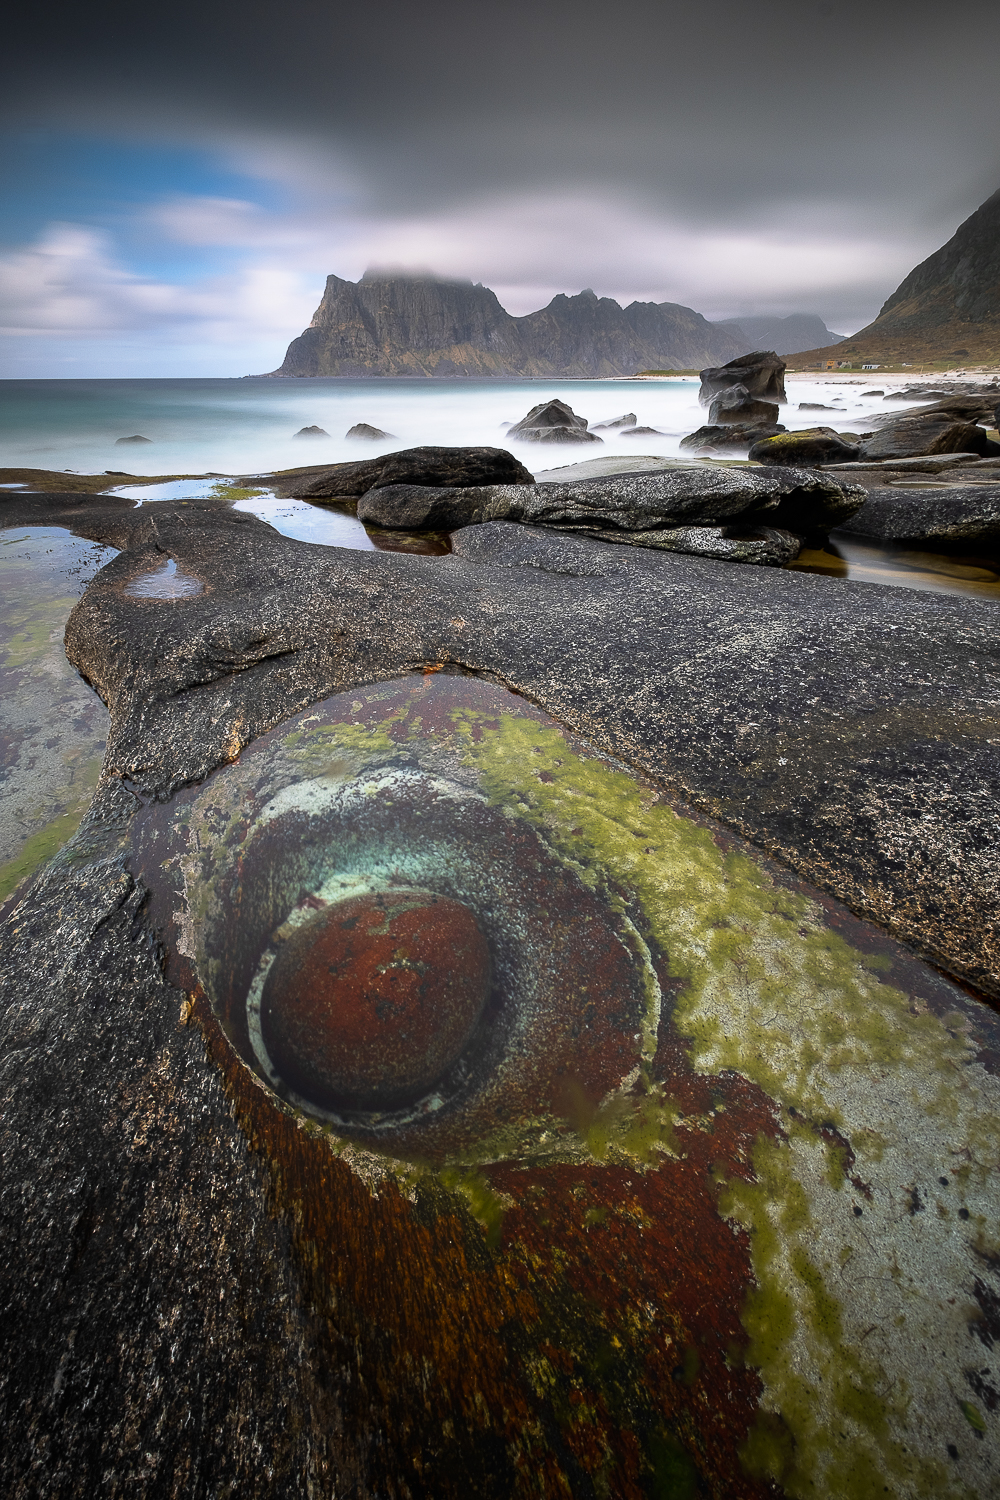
789	257
69	283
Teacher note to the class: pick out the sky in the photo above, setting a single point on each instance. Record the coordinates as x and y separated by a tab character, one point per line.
177	181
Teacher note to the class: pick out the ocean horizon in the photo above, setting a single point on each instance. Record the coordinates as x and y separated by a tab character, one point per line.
248	424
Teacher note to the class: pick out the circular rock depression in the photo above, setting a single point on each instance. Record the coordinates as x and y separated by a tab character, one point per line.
369	1002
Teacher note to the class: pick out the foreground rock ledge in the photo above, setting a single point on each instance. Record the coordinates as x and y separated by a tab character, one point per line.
216	1303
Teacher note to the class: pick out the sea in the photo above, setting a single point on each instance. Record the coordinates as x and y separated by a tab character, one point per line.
249	426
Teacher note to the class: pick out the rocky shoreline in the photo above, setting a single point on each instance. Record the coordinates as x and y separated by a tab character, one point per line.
775	792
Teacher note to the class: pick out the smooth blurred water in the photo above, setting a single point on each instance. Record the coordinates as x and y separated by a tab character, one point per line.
249	426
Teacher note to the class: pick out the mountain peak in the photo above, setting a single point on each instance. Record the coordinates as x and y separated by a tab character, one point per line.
405	323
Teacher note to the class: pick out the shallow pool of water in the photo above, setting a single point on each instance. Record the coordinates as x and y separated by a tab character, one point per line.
53	727
309	523
167	582
903	566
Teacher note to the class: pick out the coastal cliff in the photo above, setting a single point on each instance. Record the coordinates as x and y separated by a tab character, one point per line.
409	325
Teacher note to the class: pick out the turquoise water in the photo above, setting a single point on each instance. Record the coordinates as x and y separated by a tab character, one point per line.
249	426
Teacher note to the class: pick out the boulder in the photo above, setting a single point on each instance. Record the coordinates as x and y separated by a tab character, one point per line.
873	393
365	430
954	515
447	467
927	433
639	508
552	422
631	432
816	445
714	438
816	406
969	406
735	407
312	432
135	439
915	393
762	373
628	420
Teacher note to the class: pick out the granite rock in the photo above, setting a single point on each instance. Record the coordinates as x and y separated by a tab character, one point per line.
718	439
552	422
631	507
816	445
628	420
735	407
366	430
926	433
762	373
436	466
196	1262
954	515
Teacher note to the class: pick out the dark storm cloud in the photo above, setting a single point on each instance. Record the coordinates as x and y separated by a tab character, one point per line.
792	156
712	106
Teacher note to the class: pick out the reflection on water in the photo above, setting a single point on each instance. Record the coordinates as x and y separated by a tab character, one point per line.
604	1091
53	727
335	528
165	583
903	566
171	489
309	523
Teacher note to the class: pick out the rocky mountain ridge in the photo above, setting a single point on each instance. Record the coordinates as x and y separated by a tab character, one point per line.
946	310
417	325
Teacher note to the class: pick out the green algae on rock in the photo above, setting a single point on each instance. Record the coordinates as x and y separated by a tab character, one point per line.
714	1046
53	726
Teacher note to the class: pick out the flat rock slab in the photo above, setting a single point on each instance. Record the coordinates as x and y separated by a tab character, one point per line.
623	506
779	1144
964	513
438	466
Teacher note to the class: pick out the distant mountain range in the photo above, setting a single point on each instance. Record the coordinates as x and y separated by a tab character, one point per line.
946	311
417	325
784	335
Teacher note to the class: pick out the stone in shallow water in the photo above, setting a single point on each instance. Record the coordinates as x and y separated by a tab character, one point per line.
368	1002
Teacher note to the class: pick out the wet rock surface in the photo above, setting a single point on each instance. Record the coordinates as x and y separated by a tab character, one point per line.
735	406
935	432
955	514
762	374
552	422
197	1258
712	439
816	445
451	467
639	508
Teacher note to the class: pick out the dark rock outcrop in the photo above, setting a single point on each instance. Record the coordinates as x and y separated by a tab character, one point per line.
735	407
409	325
312	432
816	445
927	434
762	373
552	422
365	430
137	438
649	509
222	1299
628	420
450	467
952	516
718	439
631	432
